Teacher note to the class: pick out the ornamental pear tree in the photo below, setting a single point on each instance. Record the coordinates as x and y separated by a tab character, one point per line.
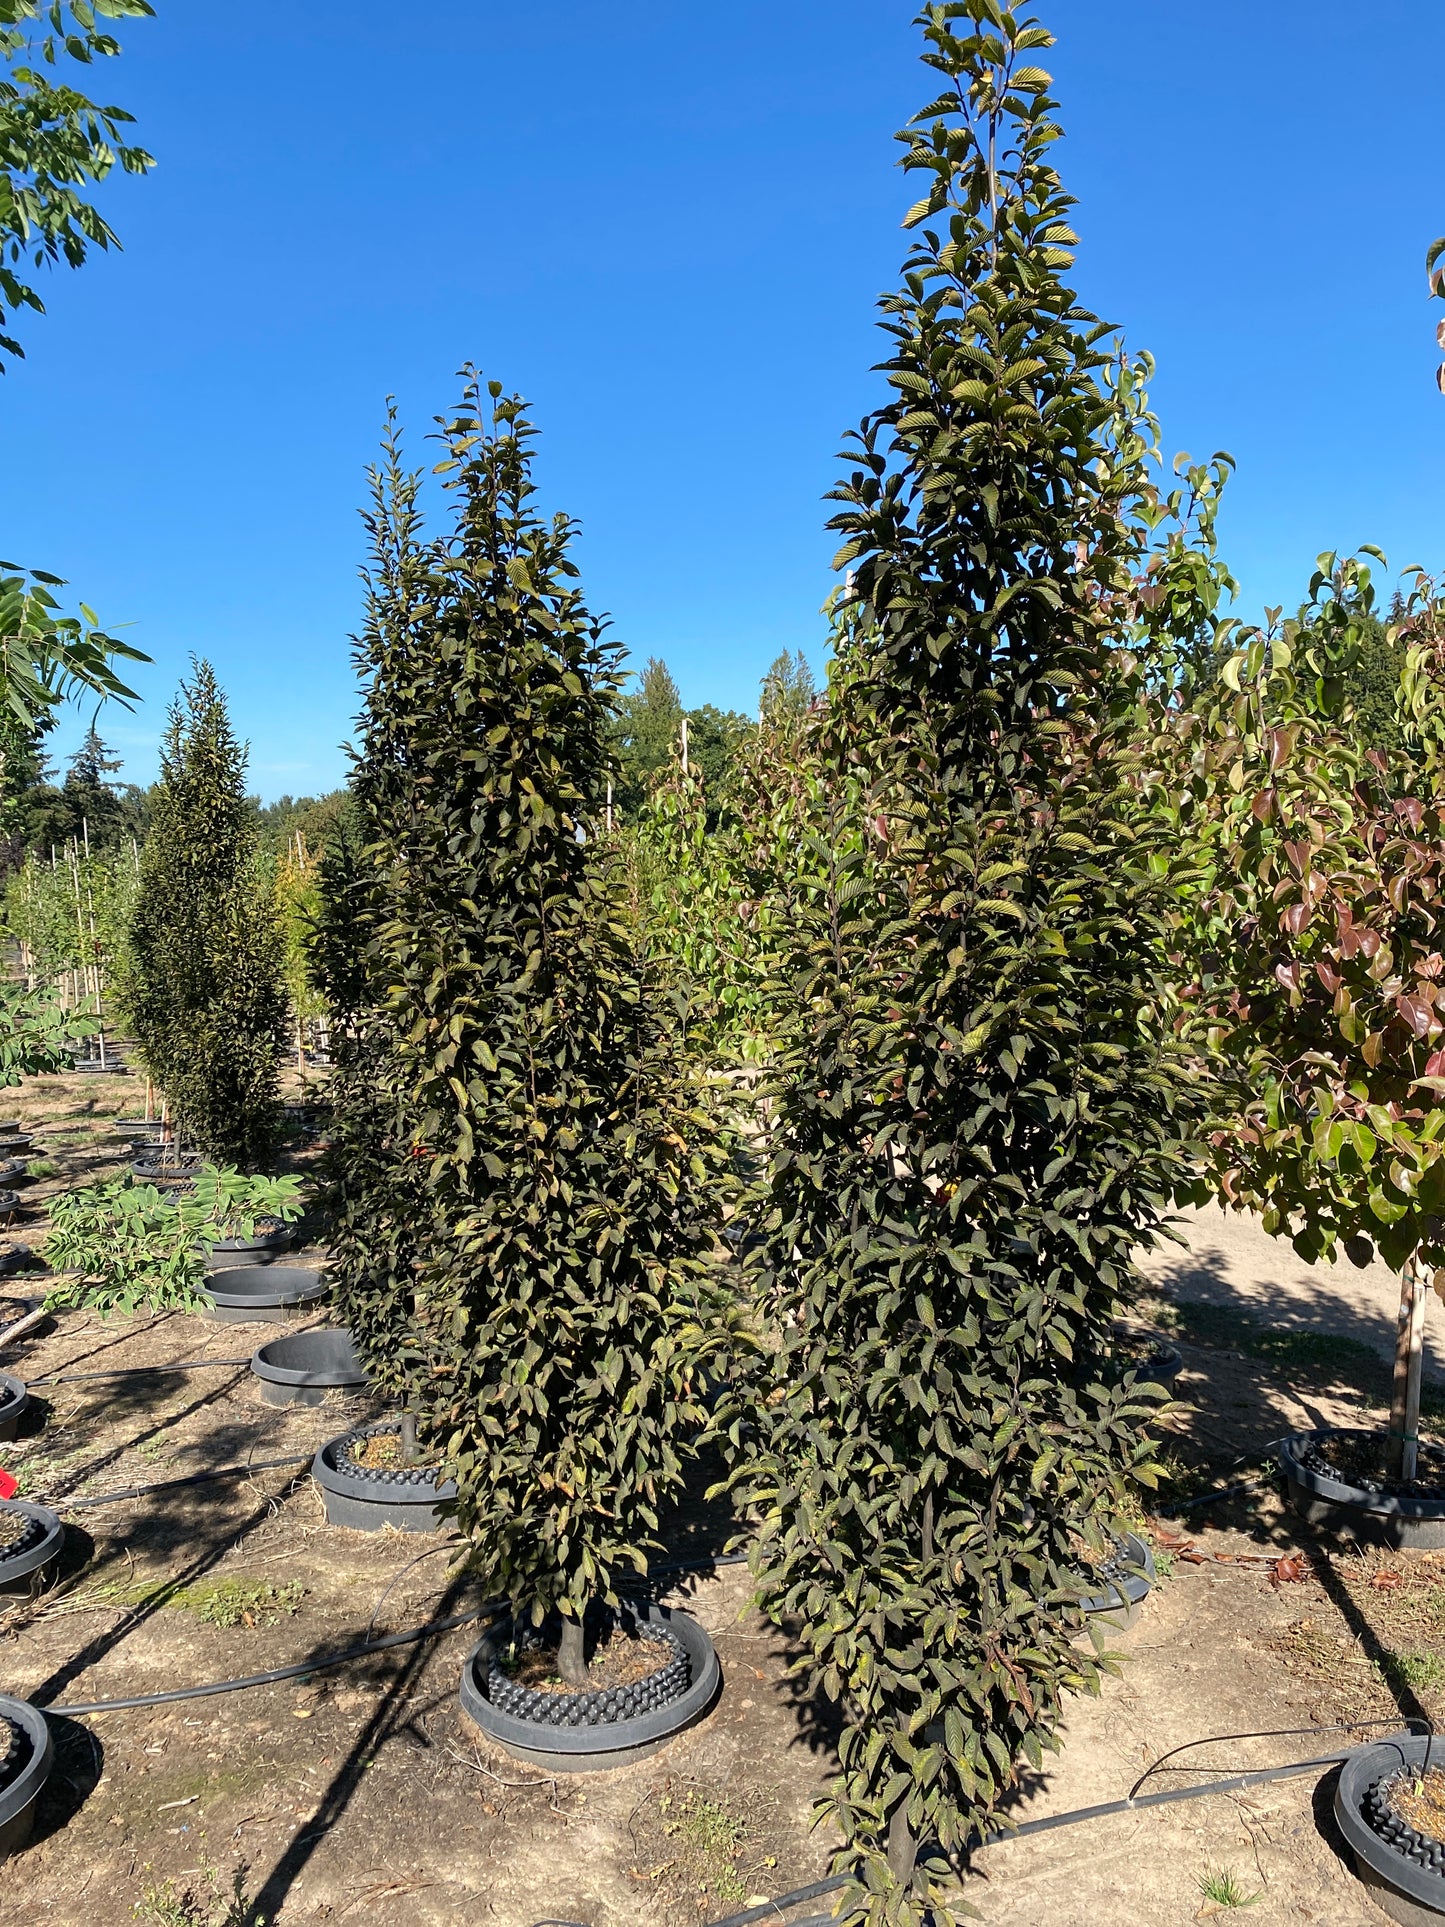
526	1185
200	982
1317	934
977	1109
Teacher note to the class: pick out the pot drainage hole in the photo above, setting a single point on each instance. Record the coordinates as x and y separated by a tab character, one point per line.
1407	1810
629	1674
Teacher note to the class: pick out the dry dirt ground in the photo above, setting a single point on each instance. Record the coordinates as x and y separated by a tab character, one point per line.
357	1796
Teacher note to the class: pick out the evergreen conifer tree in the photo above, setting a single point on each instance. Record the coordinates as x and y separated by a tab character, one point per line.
202	985
977	1112
524	1184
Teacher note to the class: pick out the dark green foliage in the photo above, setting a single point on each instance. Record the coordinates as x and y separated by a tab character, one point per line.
202	985
87	809
317	820
977	1114
646	733
523	1212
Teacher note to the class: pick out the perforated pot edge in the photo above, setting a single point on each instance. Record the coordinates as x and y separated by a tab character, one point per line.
1359	1773
25	1787
605	1744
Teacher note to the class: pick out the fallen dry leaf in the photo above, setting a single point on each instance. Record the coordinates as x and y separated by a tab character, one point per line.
1288	1571
1387	1581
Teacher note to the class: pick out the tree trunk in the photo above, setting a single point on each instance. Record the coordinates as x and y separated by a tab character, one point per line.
1403	1453
571	1654
408	1438
902	1847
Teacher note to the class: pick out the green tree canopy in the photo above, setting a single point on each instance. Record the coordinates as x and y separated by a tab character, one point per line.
202	986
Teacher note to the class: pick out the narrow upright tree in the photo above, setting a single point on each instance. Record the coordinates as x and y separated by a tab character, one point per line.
977	1113
202	988
524	1180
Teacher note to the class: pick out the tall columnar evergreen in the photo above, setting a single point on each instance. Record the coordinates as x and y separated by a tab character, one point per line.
976	1112
524	1187
202	986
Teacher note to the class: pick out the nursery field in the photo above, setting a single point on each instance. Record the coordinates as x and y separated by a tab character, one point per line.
359	1794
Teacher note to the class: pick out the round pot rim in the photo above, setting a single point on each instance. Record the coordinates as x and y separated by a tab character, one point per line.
615	1736
259	1241
375	1491
1337	1489
36	1771
20	1565
14	1396
1133	1586
268	1293
277	1374
1358	1774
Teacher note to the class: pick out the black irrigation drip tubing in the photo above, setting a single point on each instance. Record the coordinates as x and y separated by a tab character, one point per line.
191	1478
137	1371
1133	1803
299	1670
1274	1733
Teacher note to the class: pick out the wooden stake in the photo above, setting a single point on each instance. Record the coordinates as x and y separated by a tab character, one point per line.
1402	1459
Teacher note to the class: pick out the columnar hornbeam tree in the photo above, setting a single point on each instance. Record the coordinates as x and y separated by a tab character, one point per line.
526	1183
977	1109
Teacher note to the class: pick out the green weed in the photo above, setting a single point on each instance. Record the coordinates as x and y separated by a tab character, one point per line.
162	1904
1220	1885
708	1837
1418	1671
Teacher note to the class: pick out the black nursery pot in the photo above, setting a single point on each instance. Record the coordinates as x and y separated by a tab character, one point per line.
23	1563
302	1369
14	1399
1374	1509
259	1249
408	1497
1127	1578
1403	1870
266	1294
585	1732
180	1169
25	1756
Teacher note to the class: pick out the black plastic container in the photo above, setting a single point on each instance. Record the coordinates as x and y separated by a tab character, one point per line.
1397	1870
268	1294
25	1758
302	1369
22	1568
408	1498
1127	1582
593	1744
14	1402
1362	1509
260	1249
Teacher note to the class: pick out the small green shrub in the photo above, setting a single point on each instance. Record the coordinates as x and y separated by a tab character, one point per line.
128	1244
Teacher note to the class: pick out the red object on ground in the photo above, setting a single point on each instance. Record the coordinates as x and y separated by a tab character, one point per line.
8	1487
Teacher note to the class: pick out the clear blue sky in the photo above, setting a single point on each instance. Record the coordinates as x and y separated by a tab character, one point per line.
667	225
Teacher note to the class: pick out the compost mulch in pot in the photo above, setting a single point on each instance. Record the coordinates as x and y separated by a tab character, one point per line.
621	1659
1359	1459
1419	1801
15	1528
383	1452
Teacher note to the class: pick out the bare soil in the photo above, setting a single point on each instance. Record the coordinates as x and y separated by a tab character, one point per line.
356	1794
